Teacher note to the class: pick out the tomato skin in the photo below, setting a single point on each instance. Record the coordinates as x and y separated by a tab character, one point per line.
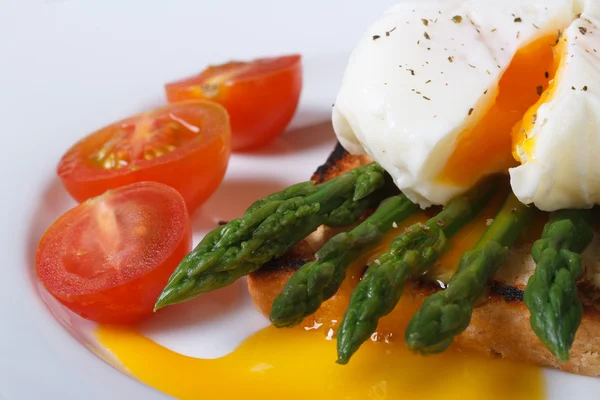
261	96
195	170
126	294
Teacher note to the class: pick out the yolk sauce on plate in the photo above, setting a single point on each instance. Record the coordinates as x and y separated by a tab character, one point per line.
299	363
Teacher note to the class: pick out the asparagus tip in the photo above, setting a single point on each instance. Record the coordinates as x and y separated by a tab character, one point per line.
280	320
342	359
425	346
561	352
164	299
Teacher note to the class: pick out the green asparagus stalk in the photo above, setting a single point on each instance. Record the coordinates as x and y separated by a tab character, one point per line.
269	228
319	280
447	313
551	294
411	253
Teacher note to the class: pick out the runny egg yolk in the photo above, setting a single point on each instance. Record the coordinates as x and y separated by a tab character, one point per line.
300	363
521	133
295	364
487	146
445	267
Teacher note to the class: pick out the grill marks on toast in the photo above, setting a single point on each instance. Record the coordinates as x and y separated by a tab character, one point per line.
499	326
337	163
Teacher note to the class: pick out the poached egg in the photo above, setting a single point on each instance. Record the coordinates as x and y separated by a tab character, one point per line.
445	92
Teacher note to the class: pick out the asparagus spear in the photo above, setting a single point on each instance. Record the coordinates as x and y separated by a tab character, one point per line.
447	313
319	280
269	228
411	253
551	293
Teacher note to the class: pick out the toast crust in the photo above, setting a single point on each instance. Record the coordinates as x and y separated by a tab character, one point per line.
499	325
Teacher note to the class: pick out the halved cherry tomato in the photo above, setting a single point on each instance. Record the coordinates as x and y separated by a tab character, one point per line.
185	145
261	96
109	258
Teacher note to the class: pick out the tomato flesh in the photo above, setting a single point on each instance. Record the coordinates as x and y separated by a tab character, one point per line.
109	258
186	146
261	96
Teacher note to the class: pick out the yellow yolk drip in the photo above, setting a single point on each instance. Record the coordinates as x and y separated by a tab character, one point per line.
466	239
521	132
296	364
300	363
448	262
485	148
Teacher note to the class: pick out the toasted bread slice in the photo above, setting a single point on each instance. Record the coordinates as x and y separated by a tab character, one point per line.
500	324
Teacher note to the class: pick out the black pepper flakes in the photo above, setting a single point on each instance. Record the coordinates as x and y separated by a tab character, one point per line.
572	87
472	66
583	30
535	26
451	59
585	88
494	30
546	74
375	37
471	111
558	37
534	119
412	71
539	90
457	19
390	31
428	81
518	19
426	98
425	22
426	36
485	91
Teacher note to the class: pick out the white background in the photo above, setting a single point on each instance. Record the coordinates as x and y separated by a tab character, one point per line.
67	67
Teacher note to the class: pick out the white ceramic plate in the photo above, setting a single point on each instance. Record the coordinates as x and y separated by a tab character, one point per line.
68	67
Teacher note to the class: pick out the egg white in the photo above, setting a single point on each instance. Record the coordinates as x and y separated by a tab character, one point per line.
418	78
562	169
